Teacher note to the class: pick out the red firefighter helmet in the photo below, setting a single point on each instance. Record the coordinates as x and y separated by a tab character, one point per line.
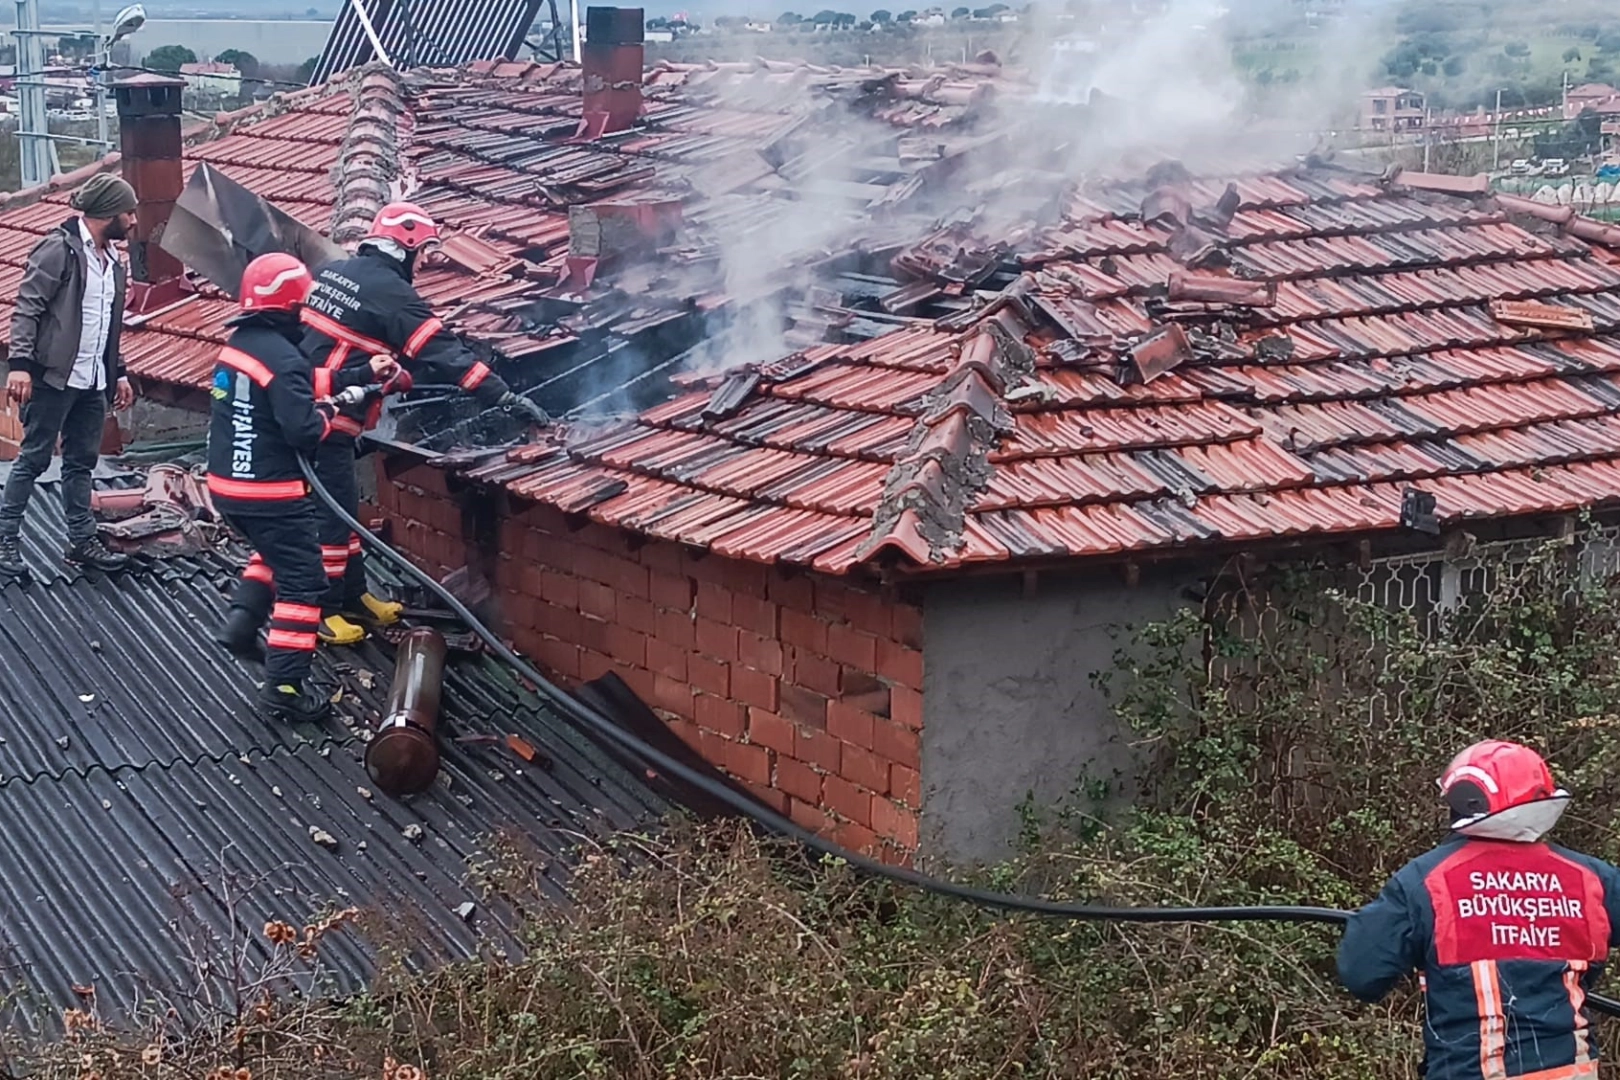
406	224
1502	791
274	282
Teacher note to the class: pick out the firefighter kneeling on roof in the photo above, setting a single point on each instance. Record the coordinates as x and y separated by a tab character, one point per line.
265	415
1508	932
361	306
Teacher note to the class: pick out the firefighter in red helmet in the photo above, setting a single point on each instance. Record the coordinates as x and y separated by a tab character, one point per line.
361	307
264	415
1509	932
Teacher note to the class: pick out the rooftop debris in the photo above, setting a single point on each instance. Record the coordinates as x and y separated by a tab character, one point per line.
1163	350
1545	316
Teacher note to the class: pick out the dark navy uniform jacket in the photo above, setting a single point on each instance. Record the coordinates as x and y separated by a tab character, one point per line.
1509	938
264	416
365	305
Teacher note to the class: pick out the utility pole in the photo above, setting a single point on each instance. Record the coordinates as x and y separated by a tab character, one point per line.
1428	128
33	130
103	57
1496	140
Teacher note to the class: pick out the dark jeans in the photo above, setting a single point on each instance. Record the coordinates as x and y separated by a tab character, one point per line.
285	543
340	545
77	416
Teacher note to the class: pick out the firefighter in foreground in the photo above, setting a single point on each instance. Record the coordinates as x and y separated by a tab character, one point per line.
1508	932
264	416
360	307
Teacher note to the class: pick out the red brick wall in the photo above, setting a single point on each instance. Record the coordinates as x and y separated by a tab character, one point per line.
11	432
807	688
10	428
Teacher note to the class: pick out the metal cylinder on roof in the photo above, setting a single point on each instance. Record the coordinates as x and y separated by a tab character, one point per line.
403	758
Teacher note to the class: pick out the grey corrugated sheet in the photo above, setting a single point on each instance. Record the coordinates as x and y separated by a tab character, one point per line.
126	821
427	33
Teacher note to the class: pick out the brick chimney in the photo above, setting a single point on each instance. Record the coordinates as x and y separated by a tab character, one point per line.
612	56
149	138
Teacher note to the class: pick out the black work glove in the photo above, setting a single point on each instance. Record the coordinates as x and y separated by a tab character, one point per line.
519	403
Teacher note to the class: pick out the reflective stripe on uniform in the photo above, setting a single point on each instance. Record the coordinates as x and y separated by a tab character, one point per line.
1492	1021
346	425
421	337
304	613
335	559
252	367
258	570
1577	1003
475	376
321	378
296	640
292	626
267	490
338	332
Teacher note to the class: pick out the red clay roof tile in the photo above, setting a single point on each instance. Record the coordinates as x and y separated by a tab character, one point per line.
1384	361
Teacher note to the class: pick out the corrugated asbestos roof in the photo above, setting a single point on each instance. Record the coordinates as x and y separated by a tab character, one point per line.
1188	362
149	813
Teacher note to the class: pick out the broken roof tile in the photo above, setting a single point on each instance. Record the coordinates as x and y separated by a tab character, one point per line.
1162	350
1548	316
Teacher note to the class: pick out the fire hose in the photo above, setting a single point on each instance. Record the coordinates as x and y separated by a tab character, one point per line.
596	722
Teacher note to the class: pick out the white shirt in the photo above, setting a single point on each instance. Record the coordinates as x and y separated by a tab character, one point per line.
89	367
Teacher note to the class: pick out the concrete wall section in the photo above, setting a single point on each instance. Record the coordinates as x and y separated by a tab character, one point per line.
1010	702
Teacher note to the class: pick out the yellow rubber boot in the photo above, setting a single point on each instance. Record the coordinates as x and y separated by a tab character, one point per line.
336	630
382	612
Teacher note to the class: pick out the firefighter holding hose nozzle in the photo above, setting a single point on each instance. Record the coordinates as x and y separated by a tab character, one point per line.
361	307
1509	933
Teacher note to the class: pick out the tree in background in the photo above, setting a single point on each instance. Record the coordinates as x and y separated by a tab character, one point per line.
245	62
1572	56
881	16
789	18
306	70
169	58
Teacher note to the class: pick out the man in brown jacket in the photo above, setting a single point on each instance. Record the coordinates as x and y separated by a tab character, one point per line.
65	367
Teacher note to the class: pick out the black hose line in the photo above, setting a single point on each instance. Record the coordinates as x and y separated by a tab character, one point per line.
583	714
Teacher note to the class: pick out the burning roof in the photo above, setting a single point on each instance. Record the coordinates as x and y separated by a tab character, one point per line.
1176	361
492	149
960	361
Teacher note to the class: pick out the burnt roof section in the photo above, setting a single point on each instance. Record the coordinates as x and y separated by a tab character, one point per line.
491	149
133	736
1215	360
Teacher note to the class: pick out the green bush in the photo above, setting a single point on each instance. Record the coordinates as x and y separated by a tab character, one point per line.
1293	728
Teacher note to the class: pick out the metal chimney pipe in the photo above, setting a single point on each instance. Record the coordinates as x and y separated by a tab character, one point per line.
403	757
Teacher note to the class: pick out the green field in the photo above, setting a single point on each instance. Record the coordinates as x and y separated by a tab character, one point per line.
1459	53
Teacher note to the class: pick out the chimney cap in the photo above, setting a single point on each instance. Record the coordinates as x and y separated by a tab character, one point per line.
150	80
148	95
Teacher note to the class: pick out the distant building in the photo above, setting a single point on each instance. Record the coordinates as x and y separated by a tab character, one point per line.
1599	97
212	77
1392	109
